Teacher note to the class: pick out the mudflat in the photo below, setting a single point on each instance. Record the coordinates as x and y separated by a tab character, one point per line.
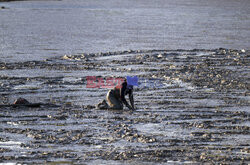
194	109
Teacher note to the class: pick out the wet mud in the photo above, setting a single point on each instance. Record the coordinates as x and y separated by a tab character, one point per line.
194	109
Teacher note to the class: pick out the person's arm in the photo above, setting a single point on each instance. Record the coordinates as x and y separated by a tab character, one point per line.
123	97
131	98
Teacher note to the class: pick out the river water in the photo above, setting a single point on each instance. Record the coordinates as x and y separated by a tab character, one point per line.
34	30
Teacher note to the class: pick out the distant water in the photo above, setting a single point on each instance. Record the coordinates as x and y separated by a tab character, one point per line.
35	30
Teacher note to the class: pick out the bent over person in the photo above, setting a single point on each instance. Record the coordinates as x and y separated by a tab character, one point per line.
116	96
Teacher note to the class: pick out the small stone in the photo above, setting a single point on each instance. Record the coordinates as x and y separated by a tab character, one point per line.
223	81
223	52
243	50
160	56
65	57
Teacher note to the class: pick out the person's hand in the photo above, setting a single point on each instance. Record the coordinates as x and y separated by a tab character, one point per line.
130	107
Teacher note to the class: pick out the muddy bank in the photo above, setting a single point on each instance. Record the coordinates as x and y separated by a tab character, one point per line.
198	114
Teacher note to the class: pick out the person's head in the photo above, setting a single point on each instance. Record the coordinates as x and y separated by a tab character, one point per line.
132	81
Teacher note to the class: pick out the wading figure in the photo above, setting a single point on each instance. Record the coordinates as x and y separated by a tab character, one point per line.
116	96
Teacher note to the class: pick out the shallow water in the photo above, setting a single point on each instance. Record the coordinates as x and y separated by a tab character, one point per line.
189	118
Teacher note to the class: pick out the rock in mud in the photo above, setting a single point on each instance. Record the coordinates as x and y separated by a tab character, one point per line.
21	101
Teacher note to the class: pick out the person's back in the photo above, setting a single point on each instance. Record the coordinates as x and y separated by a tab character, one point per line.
116	96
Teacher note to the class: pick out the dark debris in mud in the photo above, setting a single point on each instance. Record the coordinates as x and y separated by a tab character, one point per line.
200	113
